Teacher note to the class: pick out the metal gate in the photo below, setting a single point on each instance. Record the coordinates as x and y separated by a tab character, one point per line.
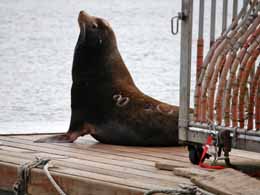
215	93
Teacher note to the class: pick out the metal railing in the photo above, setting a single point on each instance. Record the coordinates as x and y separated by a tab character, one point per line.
195	130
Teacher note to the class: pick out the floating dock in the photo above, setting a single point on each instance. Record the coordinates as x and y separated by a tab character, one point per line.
90	168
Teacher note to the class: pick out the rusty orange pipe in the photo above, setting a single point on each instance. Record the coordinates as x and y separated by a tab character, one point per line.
232	78
221	51
251	105
212	87
200	47
234	105
198	97
221	86
257	112
243	84
223	72
236	84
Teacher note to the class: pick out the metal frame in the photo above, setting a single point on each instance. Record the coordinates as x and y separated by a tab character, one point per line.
185	70
197	133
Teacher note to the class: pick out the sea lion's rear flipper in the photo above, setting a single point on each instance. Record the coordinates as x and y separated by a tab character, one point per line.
62	138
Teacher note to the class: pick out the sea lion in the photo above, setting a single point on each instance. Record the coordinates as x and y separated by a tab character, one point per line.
105	101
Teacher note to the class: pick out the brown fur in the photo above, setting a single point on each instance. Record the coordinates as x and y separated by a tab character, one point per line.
105	101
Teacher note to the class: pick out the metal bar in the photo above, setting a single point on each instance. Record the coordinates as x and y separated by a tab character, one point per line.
200	51
245	4
224	16
200	42
185	69
212	22
218	128
244	142
201	19
234	12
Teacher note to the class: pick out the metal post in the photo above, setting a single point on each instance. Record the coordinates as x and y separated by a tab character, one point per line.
212	21
201	19
234	12
185	69
224	17
245	4
200	42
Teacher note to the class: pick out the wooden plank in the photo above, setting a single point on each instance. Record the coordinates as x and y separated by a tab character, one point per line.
89	140
97	165
13	149
100	168
10	175
237	160
85	185
169	166
191	172
77	153
228	182
170	153
245	154
245	165
166	152
39	184
72	153
130	180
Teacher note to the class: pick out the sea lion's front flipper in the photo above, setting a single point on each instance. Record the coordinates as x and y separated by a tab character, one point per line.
62	138
70	136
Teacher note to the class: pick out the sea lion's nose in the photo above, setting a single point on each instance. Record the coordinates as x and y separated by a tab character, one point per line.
83	13
83	16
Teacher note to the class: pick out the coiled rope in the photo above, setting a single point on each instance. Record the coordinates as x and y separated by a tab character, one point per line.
20	186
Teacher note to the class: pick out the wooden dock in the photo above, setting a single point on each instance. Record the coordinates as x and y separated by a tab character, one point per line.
90	168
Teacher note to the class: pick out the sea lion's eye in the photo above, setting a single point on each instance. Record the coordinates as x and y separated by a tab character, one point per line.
94	25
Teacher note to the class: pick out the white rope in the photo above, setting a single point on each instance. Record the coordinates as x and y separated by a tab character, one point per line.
20	186
53	182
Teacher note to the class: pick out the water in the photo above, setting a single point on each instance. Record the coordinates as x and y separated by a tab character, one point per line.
37	39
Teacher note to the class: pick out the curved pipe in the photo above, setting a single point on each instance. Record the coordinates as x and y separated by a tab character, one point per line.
257	112
243	84
251	105
224	72
236	84
228	43
200	46
232	75
221	86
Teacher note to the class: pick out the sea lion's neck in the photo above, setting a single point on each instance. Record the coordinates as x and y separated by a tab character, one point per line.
96	65
85	65
117	68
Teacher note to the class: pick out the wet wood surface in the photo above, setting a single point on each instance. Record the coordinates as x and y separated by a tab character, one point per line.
88	167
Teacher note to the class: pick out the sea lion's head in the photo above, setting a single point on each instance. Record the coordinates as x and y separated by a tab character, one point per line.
96	56
95	32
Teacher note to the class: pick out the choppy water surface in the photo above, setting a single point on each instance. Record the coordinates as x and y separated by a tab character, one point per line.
37	39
